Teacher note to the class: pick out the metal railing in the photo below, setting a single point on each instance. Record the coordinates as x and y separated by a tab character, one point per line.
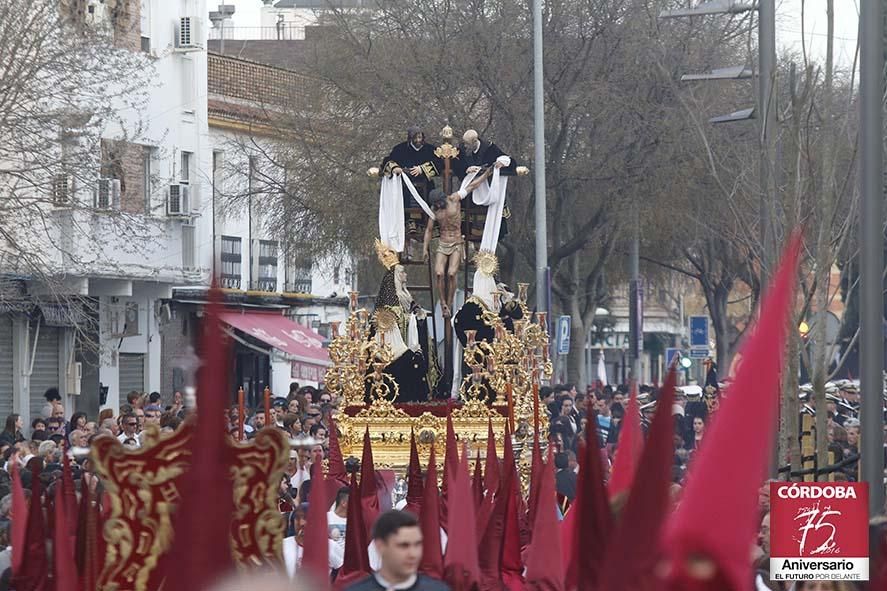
286	32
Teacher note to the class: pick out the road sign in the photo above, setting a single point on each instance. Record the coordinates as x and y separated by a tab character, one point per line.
563	335
699	332
671	354
699	353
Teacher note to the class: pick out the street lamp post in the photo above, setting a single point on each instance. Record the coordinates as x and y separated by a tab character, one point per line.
871	253
539	145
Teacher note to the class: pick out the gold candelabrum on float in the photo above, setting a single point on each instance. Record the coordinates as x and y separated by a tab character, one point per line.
354	353
506	370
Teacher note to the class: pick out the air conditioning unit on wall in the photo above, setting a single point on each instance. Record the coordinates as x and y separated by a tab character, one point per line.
189	34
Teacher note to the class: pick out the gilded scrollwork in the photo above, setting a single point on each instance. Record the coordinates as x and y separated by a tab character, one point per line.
143	486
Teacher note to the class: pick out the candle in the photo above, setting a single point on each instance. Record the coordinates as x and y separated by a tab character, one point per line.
510	405
535	402
267	394
240	411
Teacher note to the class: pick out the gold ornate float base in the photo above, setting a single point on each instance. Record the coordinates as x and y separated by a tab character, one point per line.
390	429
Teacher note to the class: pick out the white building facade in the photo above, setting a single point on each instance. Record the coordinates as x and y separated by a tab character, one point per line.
123	235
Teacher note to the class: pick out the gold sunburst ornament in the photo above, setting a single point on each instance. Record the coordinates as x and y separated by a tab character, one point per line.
387	256
385	319
486	262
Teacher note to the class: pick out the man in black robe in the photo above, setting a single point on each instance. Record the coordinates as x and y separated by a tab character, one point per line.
415	158
476	153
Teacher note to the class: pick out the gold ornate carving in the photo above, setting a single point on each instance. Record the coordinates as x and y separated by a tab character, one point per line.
387	256
143	486
486	262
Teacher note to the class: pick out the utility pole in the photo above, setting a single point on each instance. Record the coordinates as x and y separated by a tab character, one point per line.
539	145
765	112
871	250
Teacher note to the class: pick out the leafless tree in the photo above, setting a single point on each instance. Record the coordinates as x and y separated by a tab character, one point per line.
66	80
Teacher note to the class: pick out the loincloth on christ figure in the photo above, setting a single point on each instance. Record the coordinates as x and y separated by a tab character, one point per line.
450	248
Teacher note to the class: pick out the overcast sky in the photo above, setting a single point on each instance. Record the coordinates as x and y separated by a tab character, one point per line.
788	27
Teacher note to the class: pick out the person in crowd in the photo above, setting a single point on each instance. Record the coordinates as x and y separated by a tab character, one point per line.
565	479
698	433
293	546
337	518
397	539
12	432
78	421
52	397
130	435
38	424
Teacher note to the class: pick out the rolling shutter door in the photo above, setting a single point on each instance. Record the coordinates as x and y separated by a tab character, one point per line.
46	367
132	373
5	366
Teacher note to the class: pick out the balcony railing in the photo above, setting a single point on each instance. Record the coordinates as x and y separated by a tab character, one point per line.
299	285
279	33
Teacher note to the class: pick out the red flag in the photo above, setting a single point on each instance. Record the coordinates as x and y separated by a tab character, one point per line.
477	485
461	570
316	552
429	519
337	476
451	464
65	573
34	568
593	520
414	476
629	563
203	521
718	514
492	474
369	498
19	516
357	562
545	570
629	446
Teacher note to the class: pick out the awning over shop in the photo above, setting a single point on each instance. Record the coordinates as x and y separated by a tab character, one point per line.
298	342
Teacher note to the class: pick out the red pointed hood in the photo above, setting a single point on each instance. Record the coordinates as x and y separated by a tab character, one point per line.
70	495
593	520
461	570
316	556
628	450
65	569
536	469
512	564
429	518
203	522
337	476
477	485
451	464
747	415
368	495
545	570
628	564
493	472
414	477
20	517
357	562
34	569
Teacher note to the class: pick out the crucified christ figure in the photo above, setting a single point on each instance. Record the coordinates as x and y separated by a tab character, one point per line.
451	245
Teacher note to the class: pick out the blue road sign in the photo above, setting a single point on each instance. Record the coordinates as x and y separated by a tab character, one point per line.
671	353
563	335
699	332
699	353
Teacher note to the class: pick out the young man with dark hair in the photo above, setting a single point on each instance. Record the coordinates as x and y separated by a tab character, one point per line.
398	540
